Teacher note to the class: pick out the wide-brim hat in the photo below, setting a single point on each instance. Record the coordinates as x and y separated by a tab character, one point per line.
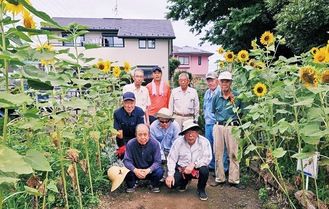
164	113
189	124
117	174
225	76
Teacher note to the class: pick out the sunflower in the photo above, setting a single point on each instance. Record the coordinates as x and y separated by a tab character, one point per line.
220	50
15	8
28	21
260	89
229	56
254	44
267	38
308	76
260	65
243	56
314	50
325	76
101	64
320	56
221	64
107	66
45	47
251	63
126	66
116	71
47	62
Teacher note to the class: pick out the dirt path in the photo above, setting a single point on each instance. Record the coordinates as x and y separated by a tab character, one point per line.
223	197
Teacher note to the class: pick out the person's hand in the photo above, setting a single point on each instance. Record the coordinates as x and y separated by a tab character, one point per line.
170	181
140	173
189	168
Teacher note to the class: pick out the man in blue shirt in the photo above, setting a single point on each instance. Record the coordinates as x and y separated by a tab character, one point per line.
126	118
226	108
209	117
143	159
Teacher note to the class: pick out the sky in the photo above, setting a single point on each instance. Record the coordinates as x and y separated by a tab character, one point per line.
132	9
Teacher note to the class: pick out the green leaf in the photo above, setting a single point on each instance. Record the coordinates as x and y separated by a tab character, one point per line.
11	161
91	46
14	99
278	152
304	102
303	155
323	162
250	148
52	186
32	191
77	103
37	160
7	183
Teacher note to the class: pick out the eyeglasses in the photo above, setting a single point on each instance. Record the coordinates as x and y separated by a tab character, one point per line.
164	121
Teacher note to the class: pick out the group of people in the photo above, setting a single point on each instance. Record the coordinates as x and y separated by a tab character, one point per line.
158	133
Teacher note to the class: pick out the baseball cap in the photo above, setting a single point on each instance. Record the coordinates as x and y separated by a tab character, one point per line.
211	75
128	96
225	76
156	68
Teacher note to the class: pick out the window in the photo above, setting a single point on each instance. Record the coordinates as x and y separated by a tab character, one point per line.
69	41
111	40
199	60
146	43
184	60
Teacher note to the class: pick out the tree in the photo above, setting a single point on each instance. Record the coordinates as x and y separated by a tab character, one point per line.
234	24
173	65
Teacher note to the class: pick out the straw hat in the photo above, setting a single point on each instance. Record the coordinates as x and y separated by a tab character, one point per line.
164	113
189	124
117	174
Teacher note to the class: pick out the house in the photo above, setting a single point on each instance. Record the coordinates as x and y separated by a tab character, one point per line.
143	43
192	59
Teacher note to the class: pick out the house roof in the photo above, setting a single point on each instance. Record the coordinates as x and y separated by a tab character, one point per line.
147	28
190	50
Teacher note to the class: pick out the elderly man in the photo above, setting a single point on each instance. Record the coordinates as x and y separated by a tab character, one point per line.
224	107
189	158
143	159
184	101
126	118
141	92
159	93
209	117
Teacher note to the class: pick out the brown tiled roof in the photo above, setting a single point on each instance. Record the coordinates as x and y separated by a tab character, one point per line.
190	50
147	28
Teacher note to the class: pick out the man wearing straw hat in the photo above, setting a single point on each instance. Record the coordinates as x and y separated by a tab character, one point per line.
143	159
189	158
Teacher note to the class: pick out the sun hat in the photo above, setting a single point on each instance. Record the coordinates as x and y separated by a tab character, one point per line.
225	76
117	174
189	124
164	113
211	75
156	68
128	96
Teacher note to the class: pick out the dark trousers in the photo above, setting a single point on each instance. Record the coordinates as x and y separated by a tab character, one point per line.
154	177
202	180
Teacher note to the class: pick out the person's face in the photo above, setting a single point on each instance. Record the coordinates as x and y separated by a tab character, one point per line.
129	105
225	85
142	134
157	75
191	136
183	82
138	78
212	83
164	122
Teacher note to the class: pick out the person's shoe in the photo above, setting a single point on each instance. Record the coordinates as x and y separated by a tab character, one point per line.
182	188
155	189
215	183
163	179
130	190
238	186
202	195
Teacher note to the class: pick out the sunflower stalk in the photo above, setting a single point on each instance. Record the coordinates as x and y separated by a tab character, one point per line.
78	184
61	155
44	201
88	160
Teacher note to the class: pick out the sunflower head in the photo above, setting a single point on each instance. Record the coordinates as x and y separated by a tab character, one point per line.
116	71
260	89
101	64
260	65
325	76
252	63
126	66
243	56
221	64
308	76
320	56
220	50
314	50
229	56
254	44
28	21
267	38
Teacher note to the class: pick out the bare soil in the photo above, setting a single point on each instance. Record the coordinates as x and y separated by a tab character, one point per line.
223	197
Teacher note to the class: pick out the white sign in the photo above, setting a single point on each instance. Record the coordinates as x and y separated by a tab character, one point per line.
310	165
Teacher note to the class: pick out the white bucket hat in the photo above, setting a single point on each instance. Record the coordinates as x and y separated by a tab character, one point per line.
164	113
225	75
189	124
117	174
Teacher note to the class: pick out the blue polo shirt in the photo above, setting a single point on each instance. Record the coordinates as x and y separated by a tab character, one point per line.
167	136
142	156
222	108
209	117
127	123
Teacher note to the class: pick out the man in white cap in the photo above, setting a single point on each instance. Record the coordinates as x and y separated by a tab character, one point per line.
189	158
224	107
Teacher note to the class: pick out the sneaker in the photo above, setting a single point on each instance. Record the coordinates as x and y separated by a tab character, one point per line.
163	179
130	190
215	183
202	195
155	189
182	188
239	186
